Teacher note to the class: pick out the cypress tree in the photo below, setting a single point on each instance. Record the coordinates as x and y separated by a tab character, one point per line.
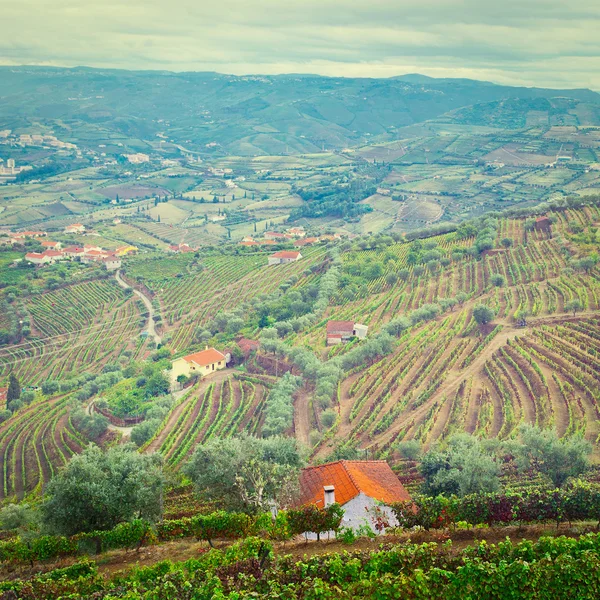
14	389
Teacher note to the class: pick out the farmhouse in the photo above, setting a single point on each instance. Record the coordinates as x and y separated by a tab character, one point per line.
180	248
249	243
17	238
297	231
273	235
37	258
111	263
284	257
248	346
74	251
543	224
54	255
357	485
75	228
341	331
198	364
306	242
51	245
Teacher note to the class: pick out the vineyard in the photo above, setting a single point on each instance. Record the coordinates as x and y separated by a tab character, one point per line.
221	406
450	375
34	443
81	326
443	375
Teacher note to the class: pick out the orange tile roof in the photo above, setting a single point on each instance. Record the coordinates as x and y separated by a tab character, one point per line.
205	357
285	254
374	478
340	327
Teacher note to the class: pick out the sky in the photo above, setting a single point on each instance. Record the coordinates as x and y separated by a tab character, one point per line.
549	43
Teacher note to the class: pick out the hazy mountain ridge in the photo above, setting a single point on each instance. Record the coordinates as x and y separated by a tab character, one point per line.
253	114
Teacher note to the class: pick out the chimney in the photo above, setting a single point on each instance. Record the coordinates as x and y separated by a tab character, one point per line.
329	495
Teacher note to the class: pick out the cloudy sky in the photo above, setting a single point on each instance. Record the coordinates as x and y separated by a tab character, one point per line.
550	43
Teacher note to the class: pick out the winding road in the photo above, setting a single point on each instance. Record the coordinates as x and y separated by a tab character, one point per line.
151	329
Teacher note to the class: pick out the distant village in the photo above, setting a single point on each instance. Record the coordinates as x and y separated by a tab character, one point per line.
54	252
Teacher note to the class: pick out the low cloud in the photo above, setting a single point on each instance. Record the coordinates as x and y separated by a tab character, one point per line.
548	43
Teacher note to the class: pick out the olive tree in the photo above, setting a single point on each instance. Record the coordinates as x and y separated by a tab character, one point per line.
100	489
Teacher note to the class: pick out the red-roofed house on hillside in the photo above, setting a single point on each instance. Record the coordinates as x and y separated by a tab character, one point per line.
198	364
54	255
36	258
357	485
75	228
306	242
341	331
248	346
51	245
274	235
283	257
543	224
3	397
74	251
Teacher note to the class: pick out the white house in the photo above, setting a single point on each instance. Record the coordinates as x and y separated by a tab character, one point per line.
112	263
37	258
284	257
75	228
198	364
358	486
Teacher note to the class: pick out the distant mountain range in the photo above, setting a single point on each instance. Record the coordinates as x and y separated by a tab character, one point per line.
250	115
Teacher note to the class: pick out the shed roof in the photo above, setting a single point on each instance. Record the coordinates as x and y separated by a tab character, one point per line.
205	357
374	478
337	326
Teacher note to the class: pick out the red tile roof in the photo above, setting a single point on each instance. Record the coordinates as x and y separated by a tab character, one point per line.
285	254
205	357
268	242
49	244
74	249
247	345
34	255
340	327
306	241
249	243
52	253
374	478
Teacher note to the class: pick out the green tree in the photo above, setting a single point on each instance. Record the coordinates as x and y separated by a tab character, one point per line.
483	314
246	473
97	490
506	242
574	305
465	467
543	451
14	388
498	280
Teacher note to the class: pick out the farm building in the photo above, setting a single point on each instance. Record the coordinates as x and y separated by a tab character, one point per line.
180	248
357	485
111	263
341	331
74	251
247	346
51	245
543	224
37	258
296	231
54	255
306	242
274	235
198	364
284	257
75	228
3	396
